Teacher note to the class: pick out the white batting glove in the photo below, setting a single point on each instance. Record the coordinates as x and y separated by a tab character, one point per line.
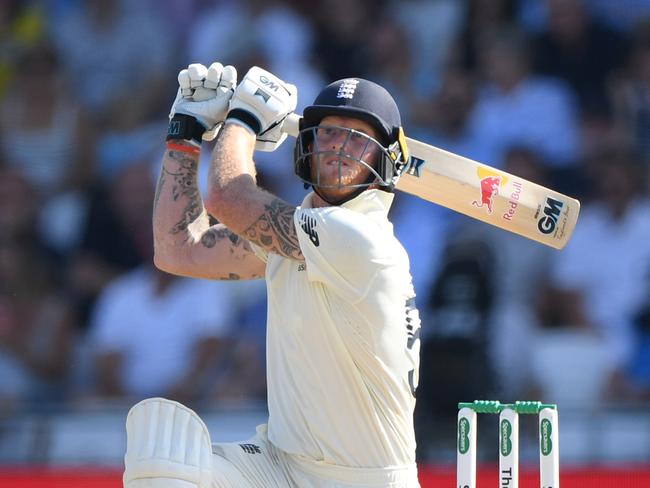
203	95
261	103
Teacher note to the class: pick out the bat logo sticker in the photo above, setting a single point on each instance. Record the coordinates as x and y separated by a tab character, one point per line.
413	166
552	209
491	181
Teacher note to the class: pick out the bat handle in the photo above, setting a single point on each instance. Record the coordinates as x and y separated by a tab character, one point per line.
291	124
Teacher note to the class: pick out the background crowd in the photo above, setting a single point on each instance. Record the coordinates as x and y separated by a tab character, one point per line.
555	91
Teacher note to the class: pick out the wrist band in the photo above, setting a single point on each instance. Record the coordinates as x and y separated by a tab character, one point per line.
185	127
182	148
247	118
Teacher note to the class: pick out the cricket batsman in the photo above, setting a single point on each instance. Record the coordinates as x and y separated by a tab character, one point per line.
343	330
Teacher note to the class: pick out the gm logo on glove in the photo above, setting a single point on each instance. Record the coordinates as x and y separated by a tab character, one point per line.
270	83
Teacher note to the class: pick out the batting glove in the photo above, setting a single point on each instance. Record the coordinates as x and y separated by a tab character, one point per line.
201	102
261	103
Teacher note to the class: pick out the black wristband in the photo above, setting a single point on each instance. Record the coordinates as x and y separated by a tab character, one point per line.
247	118
185	127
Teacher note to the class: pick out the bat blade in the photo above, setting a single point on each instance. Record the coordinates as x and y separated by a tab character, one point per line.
490	195
484	193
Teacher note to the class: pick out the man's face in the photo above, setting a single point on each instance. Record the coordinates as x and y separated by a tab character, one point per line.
337	165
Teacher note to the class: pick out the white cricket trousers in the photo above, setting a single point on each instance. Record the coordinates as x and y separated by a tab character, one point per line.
168	446
257	463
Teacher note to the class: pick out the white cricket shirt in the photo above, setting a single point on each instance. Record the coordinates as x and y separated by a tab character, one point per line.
342	338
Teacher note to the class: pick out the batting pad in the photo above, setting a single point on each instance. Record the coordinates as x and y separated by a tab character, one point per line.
167	446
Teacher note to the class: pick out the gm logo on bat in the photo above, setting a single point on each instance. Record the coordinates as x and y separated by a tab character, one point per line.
552	210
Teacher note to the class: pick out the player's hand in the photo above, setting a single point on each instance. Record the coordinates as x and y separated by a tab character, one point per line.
204	94
261	102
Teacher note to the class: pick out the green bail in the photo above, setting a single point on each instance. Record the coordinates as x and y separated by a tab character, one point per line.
495	406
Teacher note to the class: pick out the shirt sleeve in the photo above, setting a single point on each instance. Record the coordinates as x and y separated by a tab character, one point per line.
343	249
260	252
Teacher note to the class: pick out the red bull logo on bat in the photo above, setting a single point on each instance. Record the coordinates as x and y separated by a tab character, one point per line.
491	182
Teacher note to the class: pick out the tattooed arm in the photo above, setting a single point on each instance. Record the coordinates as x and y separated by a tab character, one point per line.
184	242
235	199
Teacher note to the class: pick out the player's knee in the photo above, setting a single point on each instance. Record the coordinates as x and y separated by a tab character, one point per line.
168	446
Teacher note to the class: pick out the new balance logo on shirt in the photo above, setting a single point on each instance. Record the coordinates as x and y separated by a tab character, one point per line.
412	323
251	448
308	224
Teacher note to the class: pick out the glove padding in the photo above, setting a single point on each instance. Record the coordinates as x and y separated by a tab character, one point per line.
261	102
204	93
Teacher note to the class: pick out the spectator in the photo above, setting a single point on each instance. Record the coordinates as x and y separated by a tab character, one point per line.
124	139
214	32
280	39
242	375
106	84
455	363
22	24
149	333
488	311
483	19
116	234
136	57
621	15
179	18
155	334
512	321
391	65
597	284
635	381
441	121
285	40
45	133
444	120
36	319
430	29
631	94
581	51
339	25
36	327
516	107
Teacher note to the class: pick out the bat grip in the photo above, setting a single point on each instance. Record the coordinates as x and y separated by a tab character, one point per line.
291	124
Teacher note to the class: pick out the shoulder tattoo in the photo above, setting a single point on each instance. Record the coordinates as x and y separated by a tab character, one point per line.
274	230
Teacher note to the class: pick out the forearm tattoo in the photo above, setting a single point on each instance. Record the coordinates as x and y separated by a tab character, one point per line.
185	185
239	248
274	230
161	183
212	236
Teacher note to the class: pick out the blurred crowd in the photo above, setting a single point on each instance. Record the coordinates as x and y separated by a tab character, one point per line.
555	91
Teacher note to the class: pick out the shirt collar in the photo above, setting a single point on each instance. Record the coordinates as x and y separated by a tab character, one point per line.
368	202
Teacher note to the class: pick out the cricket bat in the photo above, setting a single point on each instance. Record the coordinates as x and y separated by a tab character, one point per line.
484	193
